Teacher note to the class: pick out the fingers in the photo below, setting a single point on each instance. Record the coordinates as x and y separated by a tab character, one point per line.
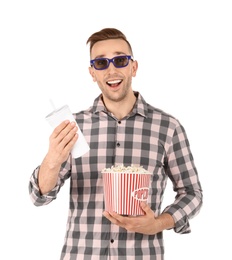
110	217
67	134
142	224
64	136
130	223
145	207
64	127
116	219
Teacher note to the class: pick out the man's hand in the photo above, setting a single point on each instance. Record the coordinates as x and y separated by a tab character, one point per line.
61	142
147	224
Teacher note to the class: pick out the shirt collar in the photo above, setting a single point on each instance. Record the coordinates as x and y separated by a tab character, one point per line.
140	107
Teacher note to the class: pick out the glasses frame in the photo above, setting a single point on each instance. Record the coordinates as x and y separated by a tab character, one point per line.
129	57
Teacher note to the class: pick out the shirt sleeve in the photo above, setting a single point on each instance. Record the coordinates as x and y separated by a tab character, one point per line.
39	199
181	170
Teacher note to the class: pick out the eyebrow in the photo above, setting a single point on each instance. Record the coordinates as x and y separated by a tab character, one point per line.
116	53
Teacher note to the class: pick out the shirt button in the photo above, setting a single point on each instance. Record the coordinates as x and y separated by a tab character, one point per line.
118	144
119	122
111	240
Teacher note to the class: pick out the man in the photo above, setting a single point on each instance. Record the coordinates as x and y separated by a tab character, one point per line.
120	128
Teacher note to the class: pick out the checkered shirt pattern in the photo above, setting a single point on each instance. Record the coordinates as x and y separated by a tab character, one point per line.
147	137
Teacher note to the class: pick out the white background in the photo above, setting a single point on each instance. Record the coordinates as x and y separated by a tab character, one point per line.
185	66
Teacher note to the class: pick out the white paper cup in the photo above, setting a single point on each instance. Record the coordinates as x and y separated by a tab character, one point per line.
64	113
124	191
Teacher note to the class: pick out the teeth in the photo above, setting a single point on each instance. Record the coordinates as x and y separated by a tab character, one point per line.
114	81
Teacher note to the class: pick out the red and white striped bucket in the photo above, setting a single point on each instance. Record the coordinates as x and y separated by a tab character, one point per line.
123	191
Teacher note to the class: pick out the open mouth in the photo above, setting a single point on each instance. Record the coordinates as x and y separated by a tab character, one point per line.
114	83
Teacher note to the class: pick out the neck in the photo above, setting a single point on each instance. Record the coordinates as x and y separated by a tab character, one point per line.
121	109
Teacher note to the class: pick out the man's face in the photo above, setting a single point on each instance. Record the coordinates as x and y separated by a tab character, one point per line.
115	83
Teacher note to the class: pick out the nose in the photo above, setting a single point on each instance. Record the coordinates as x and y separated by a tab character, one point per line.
111	66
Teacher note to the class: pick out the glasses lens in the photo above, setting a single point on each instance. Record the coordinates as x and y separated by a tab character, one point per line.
101	63
121	61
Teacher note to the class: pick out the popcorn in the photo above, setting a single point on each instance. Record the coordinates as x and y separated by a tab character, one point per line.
126	169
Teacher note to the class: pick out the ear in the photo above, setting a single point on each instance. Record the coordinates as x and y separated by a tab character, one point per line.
134	68
91	72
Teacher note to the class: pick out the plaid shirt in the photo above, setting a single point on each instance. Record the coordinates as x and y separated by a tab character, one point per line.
147	137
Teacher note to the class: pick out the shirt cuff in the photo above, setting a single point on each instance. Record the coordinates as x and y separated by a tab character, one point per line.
35	194
181	219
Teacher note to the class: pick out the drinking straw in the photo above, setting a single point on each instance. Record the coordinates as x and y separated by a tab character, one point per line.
52	104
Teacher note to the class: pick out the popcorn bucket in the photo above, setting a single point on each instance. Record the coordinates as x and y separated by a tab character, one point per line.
124	191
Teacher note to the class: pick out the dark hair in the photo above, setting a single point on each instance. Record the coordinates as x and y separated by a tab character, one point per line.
107	34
